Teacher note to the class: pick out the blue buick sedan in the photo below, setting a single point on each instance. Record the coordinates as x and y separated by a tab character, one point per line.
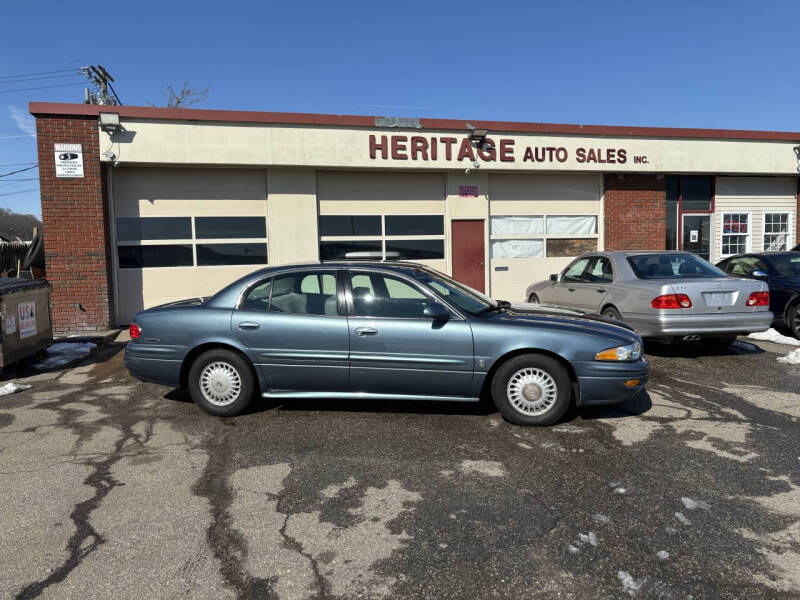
382	330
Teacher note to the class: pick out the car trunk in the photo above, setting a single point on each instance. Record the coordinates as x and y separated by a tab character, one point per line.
715	295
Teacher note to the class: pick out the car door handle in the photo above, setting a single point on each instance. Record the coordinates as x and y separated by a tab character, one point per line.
365	331
571	289
248	325
601	291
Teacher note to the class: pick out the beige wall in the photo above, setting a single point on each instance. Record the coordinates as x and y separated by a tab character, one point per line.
292	216
219	143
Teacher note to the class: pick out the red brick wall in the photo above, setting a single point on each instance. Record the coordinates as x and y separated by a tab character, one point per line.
75	227
635	212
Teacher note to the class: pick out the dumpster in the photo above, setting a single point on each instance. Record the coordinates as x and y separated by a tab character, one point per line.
25	326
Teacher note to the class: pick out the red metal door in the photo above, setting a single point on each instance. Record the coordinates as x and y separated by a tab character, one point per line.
469	253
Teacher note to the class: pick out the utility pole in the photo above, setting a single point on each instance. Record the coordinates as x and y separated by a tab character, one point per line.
98	75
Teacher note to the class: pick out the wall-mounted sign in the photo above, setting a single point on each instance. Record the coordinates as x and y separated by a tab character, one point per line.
468	191
419	147
11	324
694	236
27	319
69	160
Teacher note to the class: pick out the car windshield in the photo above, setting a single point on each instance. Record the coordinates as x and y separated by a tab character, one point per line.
672	266
787	265
459	294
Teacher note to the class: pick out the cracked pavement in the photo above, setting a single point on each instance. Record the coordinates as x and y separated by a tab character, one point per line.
118	488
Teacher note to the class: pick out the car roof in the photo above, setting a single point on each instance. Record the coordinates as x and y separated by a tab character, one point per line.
341	264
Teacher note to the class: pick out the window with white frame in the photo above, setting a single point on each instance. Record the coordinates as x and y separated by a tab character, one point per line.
526	236
735	233
381	237
777	230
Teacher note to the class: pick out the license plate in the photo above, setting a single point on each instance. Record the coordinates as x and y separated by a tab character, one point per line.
719	298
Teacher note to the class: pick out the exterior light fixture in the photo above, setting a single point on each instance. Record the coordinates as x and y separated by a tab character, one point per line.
478	135
109	122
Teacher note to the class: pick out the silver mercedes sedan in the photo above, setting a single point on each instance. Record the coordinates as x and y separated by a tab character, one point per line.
660	293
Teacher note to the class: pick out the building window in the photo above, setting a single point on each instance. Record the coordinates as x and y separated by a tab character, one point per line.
776	231
536	236
381	237
735	233
194	241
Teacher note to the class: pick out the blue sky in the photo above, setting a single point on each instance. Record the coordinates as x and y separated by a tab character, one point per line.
725	64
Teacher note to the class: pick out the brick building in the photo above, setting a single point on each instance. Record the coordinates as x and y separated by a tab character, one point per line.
175	203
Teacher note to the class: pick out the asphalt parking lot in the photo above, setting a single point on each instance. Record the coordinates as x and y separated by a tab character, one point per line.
114	488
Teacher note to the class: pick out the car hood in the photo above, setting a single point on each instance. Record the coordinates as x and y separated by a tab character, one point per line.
530	315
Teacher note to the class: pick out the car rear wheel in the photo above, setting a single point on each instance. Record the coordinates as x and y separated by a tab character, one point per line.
793	320
221	383
533	299
611	313
532	390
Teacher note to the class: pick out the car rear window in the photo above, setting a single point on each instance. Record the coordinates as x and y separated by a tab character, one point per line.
672	266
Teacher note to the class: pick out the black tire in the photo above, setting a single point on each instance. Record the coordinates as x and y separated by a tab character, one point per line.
611	313
793	319
533	299
34	257
226	360
537	362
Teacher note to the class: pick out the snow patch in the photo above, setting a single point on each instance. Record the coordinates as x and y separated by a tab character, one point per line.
770	335
793	358
682	518
601	518
629	583
620	490
693	504
572	549
593	538
569	429
62	353
12	387
662	554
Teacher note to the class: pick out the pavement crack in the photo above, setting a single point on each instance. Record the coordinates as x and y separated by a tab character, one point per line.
293	544
226	543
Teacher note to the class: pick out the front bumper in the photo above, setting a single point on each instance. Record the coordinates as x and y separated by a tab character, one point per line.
601	382
658	325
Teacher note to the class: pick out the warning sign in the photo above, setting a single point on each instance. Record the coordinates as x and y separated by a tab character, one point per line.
69	160
11	324
27	319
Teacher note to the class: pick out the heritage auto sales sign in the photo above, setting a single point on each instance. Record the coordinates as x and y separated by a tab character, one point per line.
418	147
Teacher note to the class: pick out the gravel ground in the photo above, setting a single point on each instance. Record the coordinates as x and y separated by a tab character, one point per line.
113	488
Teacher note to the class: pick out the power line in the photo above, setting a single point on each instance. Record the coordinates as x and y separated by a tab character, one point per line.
10	181
39	73
20	192
33	162
43	87
74	74
18	171
8	137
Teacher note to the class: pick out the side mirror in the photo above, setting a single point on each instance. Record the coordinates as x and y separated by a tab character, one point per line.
436	311
554	277
759	274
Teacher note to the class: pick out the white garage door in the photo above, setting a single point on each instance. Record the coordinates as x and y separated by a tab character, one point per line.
537	224
752	214
397	216
183	233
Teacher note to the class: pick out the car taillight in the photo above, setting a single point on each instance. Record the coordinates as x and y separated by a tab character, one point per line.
134	331
672	301
758	299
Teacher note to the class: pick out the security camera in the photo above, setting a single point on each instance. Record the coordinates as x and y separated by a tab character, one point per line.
115	163
476	164
466	170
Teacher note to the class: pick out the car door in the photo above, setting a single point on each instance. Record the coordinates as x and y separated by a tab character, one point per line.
394	348
568	283
296	328
593	288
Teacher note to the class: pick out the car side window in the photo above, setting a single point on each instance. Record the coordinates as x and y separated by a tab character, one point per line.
377	295
304	293
599	271
258	297
574	272
744	266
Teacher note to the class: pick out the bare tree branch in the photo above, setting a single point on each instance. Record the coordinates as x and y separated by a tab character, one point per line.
186	96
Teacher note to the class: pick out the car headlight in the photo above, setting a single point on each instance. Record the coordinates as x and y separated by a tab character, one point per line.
621	353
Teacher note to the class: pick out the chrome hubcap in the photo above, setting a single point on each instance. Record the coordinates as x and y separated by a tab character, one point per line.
532	391
220	383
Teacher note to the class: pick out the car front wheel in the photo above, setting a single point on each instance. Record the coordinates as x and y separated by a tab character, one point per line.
221	383
794	320
532	389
